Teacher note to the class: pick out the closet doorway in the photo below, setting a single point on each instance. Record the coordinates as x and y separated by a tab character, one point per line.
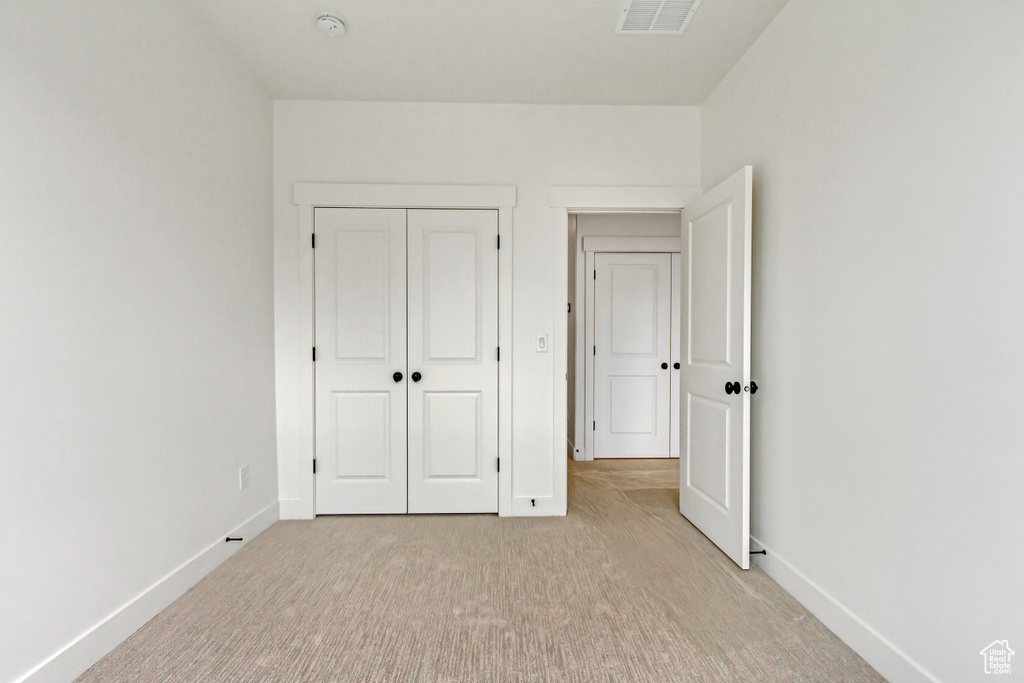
407	367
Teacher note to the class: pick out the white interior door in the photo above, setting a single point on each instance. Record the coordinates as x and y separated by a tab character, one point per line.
360	345
453	364
714	473
633	355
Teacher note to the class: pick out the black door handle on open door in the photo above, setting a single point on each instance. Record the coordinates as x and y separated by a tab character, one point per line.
675	365
664	366
397	377
752	388
416	377
733	388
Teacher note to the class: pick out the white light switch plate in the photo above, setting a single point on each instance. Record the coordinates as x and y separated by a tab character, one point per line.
243	476
542	343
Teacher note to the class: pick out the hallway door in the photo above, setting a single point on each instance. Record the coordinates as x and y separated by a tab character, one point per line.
633	355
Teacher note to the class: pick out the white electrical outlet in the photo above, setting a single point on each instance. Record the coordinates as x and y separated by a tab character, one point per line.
243	476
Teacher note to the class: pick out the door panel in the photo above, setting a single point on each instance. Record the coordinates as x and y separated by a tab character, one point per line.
714	486
632	333
453	341
452	444
362	422
452	283
361	341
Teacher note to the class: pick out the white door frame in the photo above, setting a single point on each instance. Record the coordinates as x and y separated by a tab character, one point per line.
308	196
588	199
591	247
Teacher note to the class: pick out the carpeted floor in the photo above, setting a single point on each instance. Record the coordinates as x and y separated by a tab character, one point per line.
623	589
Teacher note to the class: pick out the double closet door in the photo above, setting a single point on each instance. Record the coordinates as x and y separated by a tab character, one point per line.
406	361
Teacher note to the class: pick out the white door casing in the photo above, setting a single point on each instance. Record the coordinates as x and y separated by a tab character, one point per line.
633	355
676	363
360	311
453	345
714	472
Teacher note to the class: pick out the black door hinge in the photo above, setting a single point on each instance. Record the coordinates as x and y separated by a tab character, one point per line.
314	465
314	240
314	354
595	350
595	274
499	464
570	308
499	241
595	425
499	354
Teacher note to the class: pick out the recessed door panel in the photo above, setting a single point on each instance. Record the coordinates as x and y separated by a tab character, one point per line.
633	352
710	237
362	322
634	309
360	335
362	428
452	439
707	468
453	345
634	405
451	296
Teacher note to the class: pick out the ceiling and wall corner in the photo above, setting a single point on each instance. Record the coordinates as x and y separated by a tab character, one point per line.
522	52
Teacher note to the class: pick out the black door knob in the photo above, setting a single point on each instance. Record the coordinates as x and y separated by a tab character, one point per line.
733	388
675	365
664	366
416	377
397	377
752	388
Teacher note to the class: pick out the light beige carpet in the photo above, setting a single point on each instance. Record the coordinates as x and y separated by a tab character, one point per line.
623	589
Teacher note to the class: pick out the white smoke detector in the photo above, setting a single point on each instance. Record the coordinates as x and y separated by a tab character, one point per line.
330	24
653	17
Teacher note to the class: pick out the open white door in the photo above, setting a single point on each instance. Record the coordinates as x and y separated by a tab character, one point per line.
714	471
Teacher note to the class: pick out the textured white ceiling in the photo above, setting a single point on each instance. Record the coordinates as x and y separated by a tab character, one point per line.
507	51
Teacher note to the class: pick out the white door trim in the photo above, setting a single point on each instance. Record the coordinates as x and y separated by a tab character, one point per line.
308	196
588	199
627	244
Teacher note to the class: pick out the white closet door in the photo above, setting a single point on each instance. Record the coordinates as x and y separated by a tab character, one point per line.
714	471
632	371
453	341
360	345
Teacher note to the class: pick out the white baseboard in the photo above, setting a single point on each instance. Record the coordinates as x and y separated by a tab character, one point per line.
81	653
887	659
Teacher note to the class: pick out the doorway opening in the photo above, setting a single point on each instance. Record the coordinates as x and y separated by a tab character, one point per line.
622	393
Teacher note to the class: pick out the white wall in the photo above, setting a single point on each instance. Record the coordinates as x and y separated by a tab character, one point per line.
888	152
136	357
530	146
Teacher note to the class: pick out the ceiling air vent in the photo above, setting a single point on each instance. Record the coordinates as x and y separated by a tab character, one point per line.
652	17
